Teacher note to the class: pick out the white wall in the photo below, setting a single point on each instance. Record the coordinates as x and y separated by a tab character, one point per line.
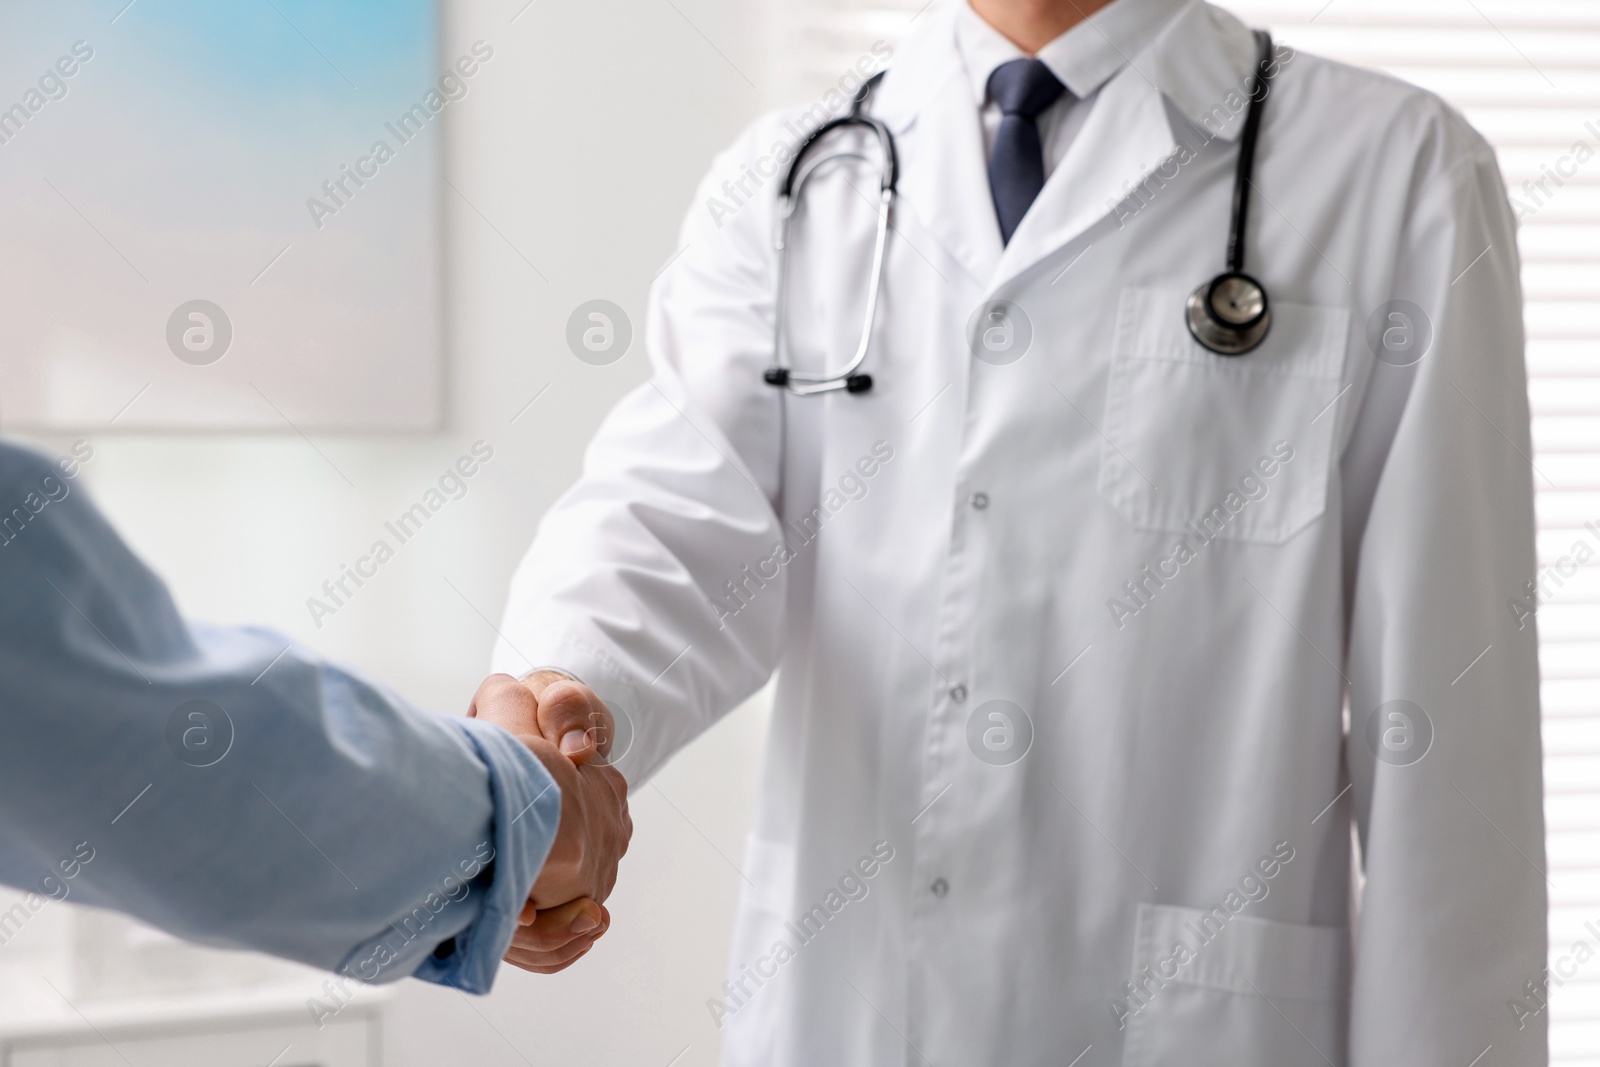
581	143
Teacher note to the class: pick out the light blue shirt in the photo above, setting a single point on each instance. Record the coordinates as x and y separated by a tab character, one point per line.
228	786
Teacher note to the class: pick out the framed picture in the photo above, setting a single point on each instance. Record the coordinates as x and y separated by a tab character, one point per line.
222	214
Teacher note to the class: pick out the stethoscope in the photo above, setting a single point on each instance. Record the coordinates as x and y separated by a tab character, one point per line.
1228	315
850	378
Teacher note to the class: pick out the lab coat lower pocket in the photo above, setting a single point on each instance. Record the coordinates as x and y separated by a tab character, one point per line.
1237	448
1242	993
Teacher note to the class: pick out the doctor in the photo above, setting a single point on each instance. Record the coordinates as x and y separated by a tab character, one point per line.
1093	645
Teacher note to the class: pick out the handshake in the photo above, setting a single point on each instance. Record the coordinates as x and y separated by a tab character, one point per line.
570	729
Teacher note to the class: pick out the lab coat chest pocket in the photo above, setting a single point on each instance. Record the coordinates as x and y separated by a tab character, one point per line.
1244	992
1239	447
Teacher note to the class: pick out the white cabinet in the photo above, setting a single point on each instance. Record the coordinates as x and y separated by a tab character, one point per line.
352	1042
81	987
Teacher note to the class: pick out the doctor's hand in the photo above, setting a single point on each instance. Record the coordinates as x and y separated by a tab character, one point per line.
563	918
570	715
547	710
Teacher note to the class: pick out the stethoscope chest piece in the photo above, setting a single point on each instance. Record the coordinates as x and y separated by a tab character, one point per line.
1229	314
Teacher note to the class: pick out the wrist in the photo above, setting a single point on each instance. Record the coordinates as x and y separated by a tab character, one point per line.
543	676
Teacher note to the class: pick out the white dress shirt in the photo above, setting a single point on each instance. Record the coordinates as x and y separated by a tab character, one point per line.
1083	59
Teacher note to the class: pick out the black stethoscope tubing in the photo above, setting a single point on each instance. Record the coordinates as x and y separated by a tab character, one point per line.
849	378
1229	315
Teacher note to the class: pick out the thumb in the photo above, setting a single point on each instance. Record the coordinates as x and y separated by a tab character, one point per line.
568	719
564	921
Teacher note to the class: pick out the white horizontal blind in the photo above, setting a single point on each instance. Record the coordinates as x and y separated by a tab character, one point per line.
811	43
1527	74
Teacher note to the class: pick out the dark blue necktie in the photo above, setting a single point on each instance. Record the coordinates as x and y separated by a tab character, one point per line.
1023	88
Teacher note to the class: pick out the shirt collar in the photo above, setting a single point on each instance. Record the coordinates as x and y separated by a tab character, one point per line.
1084	58
1198	56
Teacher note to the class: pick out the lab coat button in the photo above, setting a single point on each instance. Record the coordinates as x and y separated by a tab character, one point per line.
980	500
958	693
939	887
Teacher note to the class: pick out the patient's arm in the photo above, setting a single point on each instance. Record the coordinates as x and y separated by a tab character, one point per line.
228	786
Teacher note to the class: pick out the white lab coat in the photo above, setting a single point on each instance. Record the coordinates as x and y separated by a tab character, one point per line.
1177	570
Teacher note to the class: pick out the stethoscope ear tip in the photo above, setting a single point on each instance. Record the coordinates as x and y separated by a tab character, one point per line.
858	383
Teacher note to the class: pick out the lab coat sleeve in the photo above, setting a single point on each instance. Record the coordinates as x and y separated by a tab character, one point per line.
229	787
626	584
1447	791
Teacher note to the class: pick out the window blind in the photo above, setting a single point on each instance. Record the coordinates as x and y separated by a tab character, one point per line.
1527	74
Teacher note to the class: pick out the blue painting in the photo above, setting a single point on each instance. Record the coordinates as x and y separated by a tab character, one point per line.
223	213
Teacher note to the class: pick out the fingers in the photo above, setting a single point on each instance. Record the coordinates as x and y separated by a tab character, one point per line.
592	836
571	716
573	728
553	939
612	825
546	963
505	701
554	928
565	724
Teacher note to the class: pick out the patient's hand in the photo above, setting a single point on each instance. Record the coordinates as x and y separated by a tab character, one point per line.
563	918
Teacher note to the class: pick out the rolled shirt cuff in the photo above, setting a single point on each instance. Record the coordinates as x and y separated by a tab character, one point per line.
503	867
